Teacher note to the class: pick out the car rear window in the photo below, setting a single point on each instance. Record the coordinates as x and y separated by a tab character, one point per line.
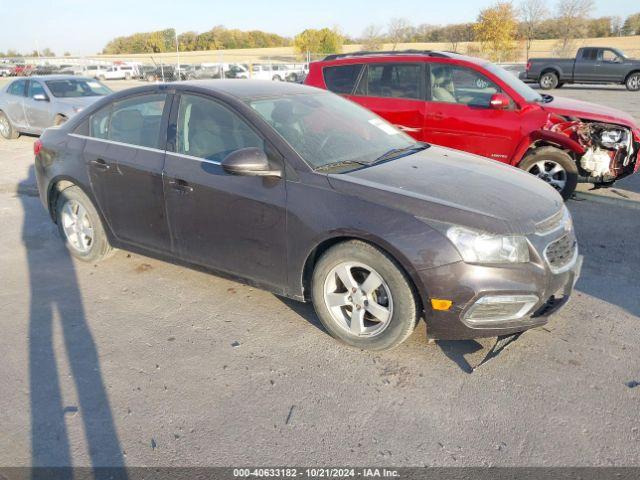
343	78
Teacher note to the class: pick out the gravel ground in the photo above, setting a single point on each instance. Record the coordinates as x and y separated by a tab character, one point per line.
143	363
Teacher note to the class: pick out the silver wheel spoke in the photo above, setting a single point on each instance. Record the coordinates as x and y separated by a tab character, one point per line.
542	167
344	274
381	313
371	284
357	321
337	299
556	169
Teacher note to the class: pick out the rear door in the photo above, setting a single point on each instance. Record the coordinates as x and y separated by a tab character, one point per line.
125	156
459	114
395	91
226	222
38	112
16	93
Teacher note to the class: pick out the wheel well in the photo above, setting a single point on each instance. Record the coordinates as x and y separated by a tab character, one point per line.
629	74
54	193
316	253
550	70
543	144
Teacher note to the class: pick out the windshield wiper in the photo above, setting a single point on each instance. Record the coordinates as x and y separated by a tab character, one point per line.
343	163
399	152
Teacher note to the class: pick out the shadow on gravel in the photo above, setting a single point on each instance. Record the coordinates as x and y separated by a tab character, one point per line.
55	297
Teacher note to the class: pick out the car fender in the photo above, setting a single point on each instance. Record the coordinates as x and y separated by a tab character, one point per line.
548	138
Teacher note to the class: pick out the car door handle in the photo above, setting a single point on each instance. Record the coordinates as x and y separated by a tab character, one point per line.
181	186
100	164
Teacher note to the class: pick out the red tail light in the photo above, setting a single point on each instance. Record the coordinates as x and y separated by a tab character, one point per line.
37	147
528	65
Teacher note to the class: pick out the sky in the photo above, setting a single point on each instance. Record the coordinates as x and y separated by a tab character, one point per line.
85	26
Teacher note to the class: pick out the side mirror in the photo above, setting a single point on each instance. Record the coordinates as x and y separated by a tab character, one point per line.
40	97
499	101
250	162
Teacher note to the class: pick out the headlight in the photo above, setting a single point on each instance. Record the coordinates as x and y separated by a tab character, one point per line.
477	247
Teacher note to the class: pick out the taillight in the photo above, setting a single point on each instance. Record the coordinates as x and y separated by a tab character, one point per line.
37	147
528	66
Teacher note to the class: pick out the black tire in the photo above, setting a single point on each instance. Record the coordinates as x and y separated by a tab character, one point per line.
548	80
403	300
277	78
559	85
99	247
551	155
633	82
8	131
59	120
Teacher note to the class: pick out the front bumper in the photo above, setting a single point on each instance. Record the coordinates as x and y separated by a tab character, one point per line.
464	284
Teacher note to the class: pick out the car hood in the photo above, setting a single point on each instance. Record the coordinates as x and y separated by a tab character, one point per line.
449	186
588	111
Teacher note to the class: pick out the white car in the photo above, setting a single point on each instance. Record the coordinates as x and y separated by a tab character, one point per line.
265	71
119	72
93	71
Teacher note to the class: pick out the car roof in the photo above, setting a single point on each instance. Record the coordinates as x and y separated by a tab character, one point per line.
388	55
251	89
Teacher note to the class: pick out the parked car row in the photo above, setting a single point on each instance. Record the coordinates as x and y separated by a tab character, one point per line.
378	220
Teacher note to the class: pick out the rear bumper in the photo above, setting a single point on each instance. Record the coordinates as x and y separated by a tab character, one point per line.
465	284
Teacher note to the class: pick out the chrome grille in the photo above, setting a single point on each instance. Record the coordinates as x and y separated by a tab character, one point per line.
561	253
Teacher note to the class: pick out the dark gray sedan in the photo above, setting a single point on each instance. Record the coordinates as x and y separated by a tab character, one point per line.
312	197
29	105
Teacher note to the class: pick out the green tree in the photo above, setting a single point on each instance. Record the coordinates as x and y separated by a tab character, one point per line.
496	30
632	25
324	40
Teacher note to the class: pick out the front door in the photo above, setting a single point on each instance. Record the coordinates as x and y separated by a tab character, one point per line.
125	159
231	223
395	91
459	115
611	67
38	112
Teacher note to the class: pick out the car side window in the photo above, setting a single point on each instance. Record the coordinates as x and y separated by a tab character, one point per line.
208	130
17	88
393	80
134	121
609	56
137	120
342	78
35	88
453	84
589	54
99	123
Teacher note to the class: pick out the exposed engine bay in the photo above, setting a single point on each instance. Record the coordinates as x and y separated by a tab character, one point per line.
610	151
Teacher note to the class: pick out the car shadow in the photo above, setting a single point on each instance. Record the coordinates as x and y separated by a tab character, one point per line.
56	299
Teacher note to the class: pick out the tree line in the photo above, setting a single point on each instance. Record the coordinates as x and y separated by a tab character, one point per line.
497	28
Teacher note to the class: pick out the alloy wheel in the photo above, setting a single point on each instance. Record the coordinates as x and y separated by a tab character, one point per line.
77	226
551	172
634	82
358	299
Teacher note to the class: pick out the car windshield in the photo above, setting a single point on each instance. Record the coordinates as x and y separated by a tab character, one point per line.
325	129
524	90
73	88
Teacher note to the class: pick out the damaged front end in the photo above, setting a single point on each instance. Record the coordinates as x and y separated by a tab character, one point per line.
610	150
